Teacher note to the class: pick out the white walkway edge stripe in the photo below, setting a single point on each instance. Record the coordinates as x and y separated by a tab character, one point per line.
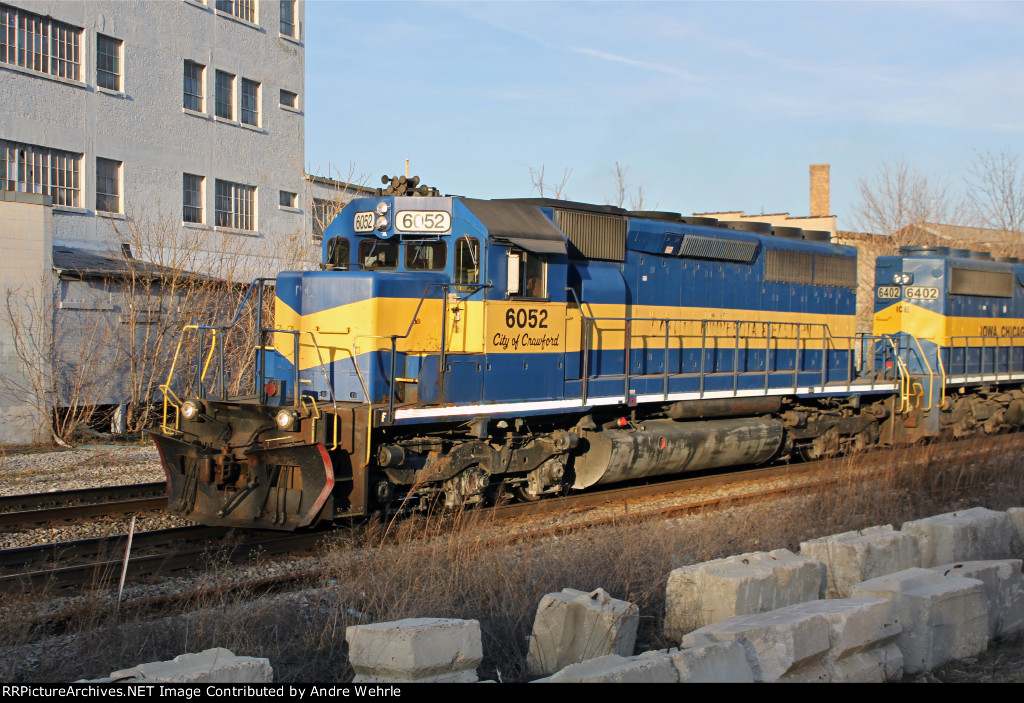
485	409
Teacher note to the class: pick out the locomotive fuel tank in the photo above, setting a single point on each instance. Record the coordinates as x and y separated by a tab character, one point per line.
659	447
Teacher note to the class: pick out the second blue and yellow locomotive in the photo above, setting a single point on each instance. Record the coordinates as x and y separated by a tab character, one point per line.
453	350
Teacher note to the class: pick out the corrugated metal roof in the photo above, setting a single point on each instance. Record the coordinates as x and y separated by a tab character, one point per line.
81	263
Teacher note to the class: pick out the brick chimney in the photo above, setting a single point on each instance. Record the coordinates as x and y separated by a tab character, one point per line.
819	191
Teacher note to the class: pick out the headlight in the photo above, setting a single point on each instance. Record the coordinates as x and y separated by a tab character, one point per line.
382	208
190	410
287	419
382	222
903	279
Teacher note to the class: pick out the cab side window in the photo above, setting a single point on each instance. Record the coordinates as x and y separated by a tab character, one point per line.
527	274
467	263
337	253
425	256
375	254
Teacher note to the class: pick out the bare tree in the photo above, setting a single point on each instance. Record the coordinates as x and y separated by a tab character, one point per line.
543	189
899	196
67	392
635	200
340	190
995	190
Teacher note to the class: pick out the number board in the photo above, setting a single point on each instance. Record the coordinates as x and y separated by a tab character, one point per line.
434	222
921	293
363	221
889	292
525	328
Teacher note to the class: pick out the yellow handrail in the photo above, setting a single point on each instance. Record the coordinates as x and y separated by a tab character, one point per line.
931	375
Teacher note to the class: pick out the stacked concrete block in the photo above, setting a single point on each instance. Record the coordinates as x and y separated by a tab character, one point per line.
1004	591
942	618
852	557
1016	516
656	667
862	639
976	534
574	626
784	645
706	593
415	650
216	665
712	662
709	662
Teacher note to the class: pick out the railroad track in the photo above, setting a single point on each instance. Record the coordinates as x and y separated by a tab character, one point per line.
185	548
98	561
37	508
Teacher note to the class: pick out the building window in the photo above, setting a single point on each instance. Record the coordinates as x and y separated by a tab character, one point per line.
324	212
250	102
242	9
289	99
108	185
193	86
225	96
26	168
108	63
192	198
234	205
288	18
289	199
39	43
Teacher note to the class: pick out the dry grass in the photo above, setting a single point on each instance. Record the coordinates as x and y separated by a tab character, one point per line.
417	568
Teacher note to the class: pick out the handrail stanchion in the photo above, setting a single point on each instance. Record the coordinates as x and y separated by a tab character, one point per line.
703	353
767	355
664	364
736	359
628	349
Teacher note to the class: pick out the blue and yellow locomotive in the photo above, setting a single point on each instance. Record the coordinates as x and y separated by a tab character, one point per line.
452	351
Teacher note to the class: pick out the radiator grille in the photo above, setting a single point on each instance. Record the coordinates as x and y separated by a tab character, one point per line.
837	271
994	284
788	266
700	247
802	267
593	236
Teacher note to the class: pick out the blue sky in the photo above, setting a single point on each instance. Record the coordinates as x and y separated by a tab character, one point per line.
710	105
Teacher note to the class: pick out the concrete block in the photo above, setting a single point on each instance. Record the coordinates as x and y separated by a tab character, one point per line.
712	662
1016	516
861	634
852	557
942	618
877	665
415	650
976	534
654	667
784	644
1004	591
574	626
706	593
210	666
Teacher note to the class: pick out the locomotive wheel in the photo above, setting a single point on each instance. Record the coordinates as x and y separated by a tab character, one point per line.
524	494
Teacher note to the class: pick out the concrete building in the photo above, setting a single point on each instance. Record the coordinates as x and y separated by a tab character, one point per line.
127	130
189	111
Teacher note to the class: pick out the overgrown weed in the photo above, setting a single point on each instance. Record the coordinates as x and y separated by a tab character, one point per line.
420	567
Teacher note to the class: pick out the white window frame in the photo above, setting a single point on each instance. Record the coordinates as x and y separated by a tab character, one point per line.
118	72
294	24
234	205
242	109
185	95
217	95
41	44
200	198
28	168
